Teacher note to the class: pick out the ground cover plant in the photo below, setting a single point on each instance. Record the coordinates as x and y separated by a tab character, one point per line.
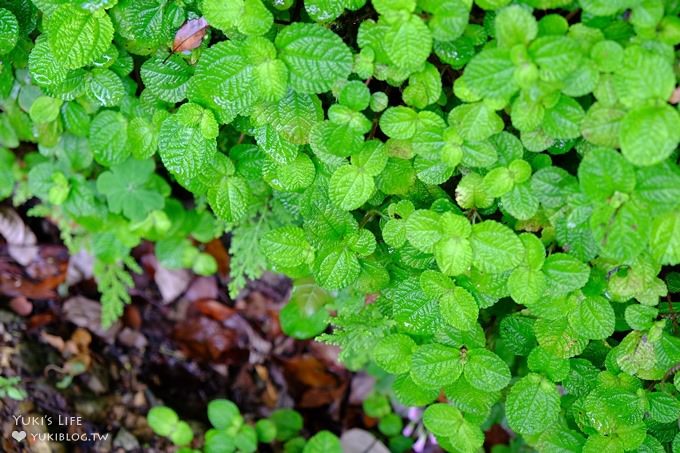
480	198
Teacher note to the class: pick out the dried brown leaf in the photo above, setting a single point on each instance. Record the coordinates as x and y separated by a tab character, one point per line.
190	35
675	97
20	239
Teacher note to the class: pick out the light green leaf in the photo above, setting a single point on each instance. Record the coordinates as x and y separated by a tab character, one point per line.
108	138
423	229
435	365
665	238
526	286
286	246
393	353
563	121
316	57
515	25
230	198
77	37
475	122
350	187
408	43
399	122
323	442
105	87
644	75
166	79
126	189
533	404
459	309
486	371
594	318
649	134
184	149
223	14
490	74
495	248
336	268
603	172
9	31
223	81
453	255
564	273
44	67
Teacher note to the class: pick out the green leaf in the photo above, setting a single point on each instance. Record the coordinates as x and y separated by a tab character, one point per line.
108	138
563	121
399	122
663	407
644	75
167	80
162	420
490	74
77	37
286	246
423	229
665	238
603	172
127	191
533	404
336	268
520	202
44	67
564	273
223	81
486	371
9	31
556	56
526	285
323	442
293	116
324	10
305	315
230	198
223	14
495	248
453	255
45	109
393	353
594	318
449	19
459	309
409	393
542	361
316	57
148	23
515	25
442	419
475	122
408	43
434	365
649	134
183	147
350	187
223	414
105	87
517	334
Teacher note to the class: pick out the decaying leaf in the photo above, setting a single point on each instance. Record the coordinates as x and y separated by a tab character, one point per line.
675	97
20	239
190	35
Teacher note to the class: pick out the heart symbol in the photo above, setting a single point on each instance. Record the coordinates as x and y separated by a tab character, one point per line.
19	435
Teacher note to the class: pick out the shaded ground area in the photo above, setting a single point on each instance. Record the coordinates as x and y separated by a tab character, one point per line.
181	342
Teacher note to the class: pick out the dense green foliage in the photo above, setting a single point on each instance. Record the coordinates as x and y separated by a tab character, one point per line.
231	433
484	196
